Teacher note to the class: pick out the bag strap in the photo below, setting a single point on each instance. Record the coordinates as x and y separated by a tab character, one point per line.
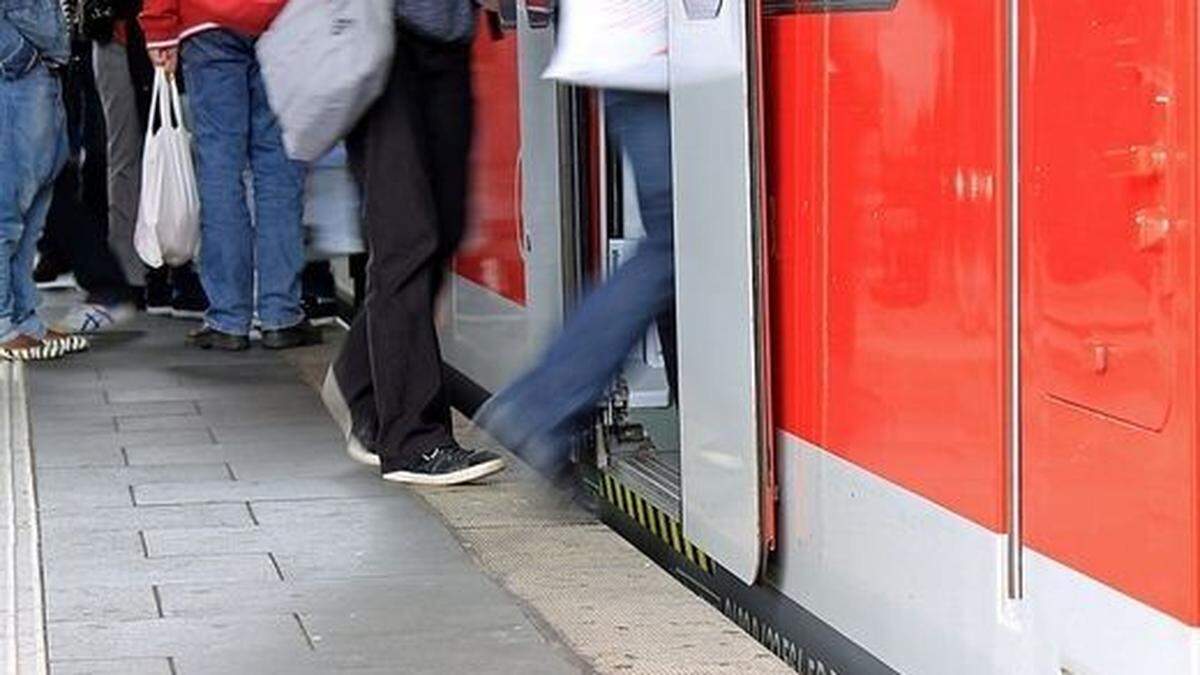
176	102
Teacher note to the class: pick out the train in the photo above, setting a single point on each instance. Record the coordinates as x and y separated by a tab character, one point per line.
936	314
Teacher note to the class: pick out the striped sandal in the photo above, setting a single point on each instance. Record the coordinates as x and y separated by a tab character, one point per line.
25	348
71	344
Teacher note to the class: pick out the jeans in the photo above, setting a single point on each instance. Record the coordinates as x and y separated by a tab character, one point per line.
533	414
33	135
234	128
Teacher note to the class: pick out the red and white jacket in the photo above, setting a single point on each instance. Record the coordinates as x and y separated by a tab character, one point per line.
166	22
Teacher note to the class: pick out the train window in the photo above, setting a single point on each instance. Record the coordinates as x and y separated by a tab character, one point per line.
824	6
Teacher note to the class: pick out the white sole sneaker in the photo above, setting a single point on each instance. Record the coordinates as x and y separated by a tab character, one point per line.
360	453
467	475
335	403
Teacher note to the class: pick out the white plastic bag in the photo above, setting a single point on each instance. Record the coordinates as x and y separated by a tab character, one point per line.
332	208
612	44
168	225
324	62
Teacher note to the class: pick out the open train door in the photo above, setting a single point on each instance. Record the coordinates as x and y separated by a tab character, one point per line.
726	432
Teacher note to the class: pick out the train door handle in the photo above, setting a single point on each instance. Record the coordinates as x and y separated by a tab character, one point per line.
702	9
540	13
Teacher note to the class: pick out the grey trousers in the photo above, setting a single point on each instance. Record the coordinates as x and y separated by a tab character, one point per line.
125	138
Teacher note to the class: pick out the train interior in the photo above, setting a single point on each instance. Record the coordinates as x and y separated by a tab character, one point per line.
639	436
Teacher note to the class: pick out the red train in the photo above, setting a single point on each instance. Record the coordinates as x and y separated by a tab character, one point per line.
938	401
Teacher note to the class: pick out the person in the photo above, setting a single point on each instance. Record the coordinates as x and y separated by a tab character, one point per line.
33	40
234	128
536	416
123	78
386	387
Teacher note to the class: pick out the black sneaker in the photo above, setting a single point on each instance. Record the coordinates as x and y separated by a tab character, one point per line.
320	310
49	268
158	292
302	334
208	338
448	465
188	299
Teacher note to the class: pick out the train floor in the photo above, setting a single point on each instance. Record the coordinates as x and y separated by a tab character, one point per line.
178	512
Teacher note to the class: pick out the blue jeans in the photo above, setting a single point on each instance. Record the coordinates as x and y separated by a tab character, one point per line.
234	128
534	414
33	136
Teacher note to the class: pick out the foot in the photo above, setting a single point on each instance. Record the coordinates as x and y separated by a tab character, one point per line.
188	299
49	268
447	465
320	310
158	293
546	449
91	318
208	338
302	334
71	344
25	348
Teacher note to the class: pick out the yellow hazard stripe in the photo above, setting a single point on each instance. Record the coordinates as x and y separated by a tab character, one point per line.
656	521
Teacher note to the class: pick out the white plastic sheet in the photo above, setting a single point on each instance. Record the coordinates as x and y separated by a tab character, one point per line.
168	225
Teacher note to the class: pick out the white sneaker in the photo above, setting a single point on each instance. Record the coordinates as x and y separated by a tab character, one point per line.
335	403
90	318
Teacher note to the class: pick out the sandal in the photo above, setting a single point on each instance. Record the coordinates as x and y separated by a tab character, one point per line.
25	348
71	344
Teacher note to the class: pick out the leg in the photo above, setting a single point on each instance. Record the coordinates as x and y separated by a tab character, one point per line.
279	206
216	67
24	290
125	135
403	237
580	364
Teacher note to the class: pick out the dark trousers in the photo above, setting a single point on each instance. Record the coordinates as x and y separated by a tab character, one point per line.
411	154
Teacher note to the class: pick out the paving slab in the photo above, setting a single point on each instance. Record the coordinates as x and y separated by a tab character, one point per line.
153	666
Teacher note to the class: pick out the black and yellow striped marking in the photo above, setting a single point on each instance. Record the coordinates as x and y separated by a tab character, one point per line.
656	521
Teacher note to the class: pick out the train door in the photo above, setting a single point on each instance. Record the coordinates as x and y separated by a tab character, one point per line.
725	426
507	291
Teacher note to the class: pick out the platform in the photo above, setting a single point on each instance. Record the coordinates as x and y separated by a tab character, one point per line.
179	512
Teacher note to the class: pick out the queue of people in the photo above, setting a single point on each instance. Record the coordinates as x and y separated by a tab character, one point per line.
410	155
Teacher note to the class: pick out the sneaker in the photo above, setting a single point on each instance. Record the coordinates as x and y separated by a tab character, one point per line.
25	348
158	293
49	268
302	334
208	338
339	410
90	318
448	465
188	299
71	344
320	310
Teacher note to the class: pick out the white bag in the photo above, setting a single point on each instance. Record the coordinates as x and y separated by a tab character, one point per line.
332	208
612	44
324	62
168	224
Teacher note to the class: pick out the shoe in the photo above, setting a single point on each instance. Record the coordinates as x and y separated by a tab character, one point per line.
209	338
448	465
158	293
320	310
49	268
339	410
188	299
547	450
302	334
90	318
24	348
71	344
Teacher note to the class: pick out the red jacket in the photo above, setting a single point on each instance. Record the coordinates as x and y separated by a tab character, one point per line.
166	22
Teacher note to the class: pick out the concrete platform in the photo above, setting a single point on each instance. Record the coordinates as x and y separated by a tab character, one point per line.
175	511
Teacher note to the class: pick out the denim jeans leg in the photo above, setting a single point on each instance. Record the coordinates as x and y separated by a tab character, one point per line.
33	135
216	66
279	206
596	340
